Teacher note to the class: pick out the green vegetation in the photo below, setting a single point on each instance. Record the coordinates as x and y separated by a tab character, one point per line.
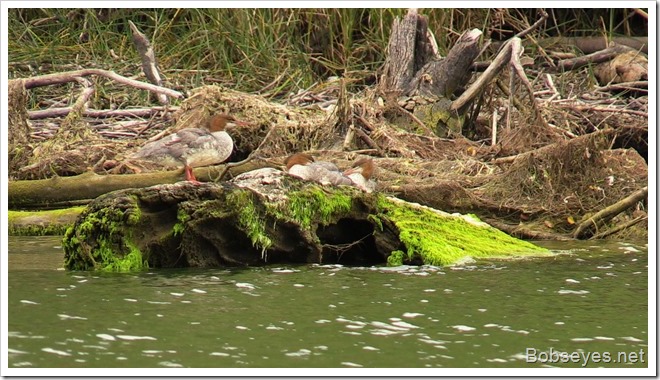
314	204
38	223
277	51
105	230
445	240
306	206
182	217
250	219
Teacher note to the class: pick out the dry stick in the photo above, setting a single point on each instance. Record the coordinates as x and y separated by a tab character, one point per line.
368	140
601	109
516	52
597	57
544	16
500	61
149	66
81	103
63	111
610	212
70	76
618	228
365	123
636	85
641	13
493	140
550	83
507	92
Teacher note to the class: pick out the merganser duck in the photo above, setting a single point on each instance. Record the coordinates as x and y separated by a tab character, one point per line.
360	174
303	166
193	147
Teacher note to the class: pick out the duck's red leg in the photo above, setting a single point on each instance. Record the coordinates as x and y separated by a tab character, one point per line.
190	176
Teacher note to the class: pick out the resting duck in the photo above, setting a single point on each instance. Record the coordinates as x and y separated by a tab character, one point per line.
193	147
303	165
360	174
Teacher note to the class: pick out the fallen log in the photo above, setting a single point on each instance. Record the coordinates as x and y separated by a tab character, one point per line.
45	193
266	217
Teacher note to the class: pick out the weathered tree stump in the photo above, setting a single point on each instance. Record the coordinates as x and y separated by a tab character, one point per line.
413	69
266	216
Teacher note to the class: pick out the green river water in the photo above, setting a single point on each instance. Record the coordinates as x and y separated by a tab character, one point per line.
590	298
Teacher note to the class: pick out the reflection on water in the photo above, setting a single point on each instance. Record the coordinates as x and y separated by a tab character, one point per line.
489	314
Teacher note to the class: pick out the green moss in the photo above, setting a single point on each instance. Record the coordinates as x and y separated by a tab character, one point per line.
375	220
305	207
101	240
250	219
395	258
130	262
182	218
445	240
313	205
39	223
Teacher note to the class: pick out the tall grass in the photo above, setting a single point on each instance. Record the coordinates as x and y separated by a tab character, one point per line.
275	51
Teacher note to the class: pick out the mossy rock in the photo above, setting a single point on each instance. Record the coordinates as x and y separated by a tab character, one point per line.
284	221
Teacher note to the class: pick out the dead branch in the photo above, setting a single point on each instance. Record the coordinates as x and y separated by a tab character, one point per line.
642	85
609	212
523	33
149	64
70	76
496	66
618	228
602	109
136	112
597	57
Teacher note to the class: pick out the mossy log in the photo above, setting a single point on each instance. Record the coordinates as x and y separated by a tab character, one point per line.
64	191
37	223
273	219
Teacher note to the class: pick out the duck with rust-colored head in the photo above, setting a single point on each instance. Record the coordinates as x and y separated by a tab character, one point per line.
360	174
303	166
193	147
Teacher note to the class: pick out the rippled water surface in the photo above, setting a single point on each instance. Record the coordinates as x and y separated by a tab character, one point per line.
489	314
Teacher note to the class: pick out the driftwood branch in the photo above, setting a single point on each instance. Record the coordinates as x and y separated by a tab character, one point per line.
618	228
149	64
585	228
136	112
70	76
81	103
502	58
597	57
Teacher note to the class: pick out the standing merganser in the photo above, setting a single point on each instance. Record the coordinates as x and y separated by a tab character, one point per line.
303	165
360	174
193	147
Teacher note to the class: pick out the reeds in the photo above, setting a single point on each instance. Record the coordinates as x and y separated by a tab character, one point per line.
271	51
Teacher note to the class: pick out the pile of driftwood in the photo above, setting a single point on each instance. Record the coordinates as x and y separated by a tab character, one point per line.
526	143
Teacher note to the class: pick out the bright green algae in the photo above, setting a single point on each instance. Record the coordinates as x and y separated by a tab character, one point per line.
441	239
